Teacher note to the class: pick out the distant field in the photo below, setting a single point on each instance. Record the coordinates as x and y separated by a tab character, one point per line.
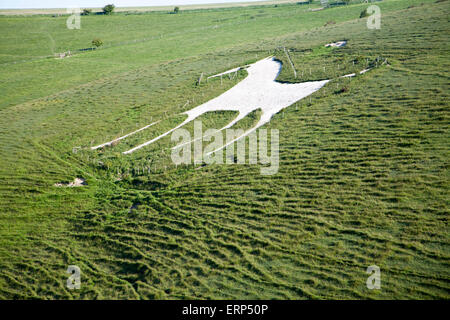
146	9
364	163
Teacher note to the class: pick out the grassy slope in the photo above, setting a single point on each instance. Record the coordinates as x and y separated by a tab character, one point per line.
159	37
363	177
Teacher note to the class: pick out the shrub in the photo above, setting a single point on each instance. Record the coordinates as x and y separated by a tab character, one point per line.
108	9
97	42
176	10
342	90
86	12
364	14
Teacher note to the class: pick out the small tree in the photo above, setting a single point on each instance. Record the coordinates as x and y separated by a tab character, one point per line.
97	42
364	14
86	12
108	9
176	10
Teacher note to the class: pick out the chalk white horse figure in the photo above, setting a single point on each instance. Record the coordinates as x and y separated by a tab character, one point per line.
258	90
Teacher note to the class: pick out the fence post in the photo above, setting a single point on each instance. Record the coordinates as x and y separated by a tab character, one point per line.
290	61
200	79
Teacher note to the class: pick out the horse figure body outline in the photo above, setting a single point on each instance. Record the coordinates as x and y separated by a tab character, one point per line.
259	90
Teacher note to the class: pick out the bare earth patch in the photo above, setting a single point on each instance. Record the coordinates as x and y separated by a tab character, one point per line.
336	44
77	182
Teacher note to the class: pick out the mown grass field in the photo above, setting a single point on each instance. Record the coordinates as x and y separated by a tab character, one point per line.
363	177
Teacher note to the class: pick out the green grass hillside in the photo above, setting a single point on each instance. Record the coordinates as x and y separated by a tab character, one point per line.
363	177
